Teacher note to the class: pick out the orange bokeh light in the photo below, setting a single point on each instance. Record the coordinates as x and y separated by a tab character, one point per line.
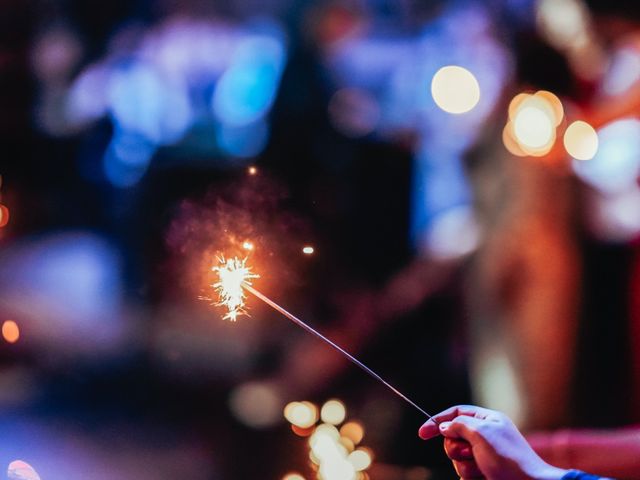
4	215
10	331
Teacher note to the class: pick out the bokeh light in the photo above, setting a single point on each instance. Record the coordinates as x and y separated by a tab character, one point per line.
252	170
10	331
293	476
553	103
301	414
20	470
4	215
510	143
333	412
581	140
353	431
255	404
455	89
616	165
533	127
360	459
532	124
308	250
247	245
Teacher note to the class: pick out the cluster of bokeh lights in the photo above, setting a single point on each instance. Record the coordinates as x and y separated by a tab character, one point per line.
334	450
534	123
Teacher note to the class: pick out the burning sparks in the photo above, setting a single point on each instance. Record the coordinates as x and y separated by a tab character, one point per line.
233	273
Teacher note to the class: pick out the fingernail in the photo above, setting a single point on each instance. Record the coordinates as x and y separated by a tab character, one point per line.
444	425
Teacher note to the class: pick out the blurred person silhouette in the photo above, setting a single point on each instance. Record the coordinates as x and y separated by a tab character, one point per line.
610	451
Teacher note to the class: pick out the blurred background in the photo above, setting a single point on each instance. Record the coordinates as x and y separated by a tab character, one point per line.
448	189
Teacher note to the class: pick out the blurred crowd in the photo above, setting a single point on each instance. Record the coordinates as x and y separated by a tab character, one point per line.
413	214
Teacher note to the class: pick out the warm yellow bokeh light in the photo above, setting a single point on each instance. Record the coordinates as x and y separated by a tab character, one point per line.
10	331
301	414
510	143
455	89
554	104
252	170
308	250
533	127
581	140
354	431
516	103
333	412
360	459
338	469
293	476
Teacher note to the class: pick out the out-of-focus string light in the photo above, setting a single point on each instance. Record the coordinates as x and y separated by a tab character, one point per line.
333	412
566	25
335	454
308	250
510	142
353	431
10	331
616	166
455	89
4	216
252	170
293	476
360	459
581	140
255	404
301	414
532	125
19	470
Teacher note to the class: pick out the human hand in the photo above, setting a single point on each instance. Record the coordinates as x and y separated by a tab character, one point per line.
483	443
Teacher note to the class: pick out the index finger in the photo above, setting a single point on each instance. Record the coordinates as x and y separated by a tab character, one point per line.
430	428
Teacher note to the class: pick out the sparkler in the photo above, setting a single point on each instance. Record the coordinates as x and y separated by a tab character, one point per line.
235	277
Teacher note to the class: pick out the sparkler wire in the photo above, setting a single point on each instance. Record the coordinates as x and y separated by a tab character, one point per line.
354	360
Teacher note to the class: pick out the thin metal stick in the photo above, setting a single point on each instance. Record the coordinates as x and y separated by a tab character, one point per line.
357	362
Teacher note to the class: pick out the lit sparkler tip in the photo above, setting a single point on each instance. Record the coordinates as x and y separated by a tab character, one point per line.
233	274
